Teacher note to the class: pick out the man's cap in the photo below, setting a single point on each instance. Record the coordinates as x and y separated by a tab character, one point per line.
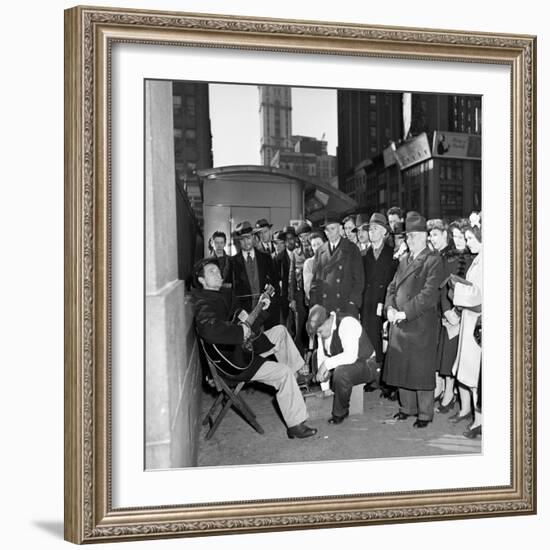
317	316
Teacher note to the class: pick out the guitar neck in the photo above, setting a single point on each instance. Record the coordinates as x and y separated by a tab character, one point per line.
256	311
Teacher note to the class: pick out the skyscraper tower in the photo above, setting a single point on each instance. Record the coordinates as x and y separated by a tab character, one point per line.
275	121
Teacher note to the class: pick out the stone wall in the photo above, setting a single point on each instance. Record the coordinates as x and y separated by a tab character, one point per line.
172	368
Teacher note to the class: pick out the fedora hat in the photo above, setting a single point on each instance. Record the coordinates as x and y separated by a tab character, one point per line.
399	229
361	221
260	224
331	218
279	236
243	229
415	222
290	230
379	219
303	228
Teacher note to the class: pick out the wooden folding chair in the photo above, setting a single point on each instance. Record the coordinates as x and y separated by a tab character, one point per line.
228	396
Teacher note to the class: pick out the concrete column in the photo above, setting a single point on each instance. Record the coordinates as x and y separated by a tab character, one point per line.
172	371
296	201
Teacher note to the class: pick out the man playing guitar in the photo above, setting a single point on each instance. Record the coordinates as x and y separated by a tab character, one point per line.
215	307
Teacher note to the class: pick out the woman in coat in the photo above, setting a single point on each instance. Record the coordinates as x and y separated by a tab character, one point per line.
467	365
456	260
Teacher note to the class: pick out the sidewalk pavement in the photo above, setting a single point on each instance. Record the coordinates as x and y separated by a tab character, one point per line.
374	434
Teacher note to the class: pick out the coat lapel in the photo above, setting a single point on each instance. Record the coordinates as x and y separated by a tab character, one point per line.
412	267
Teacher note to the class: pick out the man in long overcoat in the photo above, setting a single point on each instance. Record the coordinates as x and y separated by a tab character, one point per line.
338	277
411	309
379	267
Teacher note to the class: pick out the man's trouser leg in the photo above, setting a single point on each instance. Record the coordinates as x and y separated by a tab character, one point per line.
425	404
289	397
408	401
345	377
285	349
417	402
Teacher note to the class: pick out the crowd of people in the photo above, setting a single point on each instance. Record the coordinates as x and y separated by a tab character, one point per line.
389	301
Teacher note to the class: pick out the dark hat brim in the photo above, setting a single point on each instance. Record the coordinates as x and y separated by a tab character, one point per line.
244	233
384	225
330	222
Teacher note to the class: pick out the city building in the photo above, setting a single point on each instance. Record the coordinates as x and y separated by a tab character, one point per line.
304	156
193	152
192	138
392	150
275	121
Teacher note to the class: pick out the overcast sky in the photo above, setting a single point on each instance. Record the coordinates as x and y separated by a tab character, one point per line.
235	120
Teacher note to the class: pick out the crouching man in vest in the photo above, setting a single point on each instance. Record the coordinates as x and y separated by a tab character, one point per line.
343	350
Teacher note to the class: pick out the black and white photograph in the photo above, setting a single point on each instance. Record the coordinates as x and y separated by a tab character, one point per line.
283	310
329	248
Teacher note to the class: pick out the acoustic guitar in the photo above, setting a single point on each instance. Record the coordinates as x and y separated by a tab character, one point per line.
233	360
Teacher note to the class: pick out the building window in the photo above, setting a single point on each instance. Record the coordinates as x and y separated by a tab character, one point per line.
372	99
190	134
190	104
372	116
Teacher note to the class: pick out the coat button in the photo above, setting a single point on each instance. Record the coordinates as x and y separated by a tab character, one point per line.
337	280
339	267
324	295
337	295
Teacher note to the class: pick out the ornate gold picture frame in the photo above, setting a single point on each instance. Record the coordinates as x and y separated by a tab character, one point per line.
90	34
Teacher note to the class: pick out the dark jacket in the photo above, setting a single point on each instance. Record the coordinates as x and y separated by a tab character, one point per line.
378	275
338	278
213	313
282	264
411	359
266	274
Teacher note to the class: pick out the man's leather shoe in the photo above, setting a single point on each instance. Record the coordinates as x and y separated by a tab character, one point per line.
334	419
421	423
300	431
400	416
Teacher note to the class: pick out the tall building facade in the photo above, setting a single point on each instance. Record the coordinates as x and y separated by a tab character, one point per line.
193	152
304	156
380	166
275	121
